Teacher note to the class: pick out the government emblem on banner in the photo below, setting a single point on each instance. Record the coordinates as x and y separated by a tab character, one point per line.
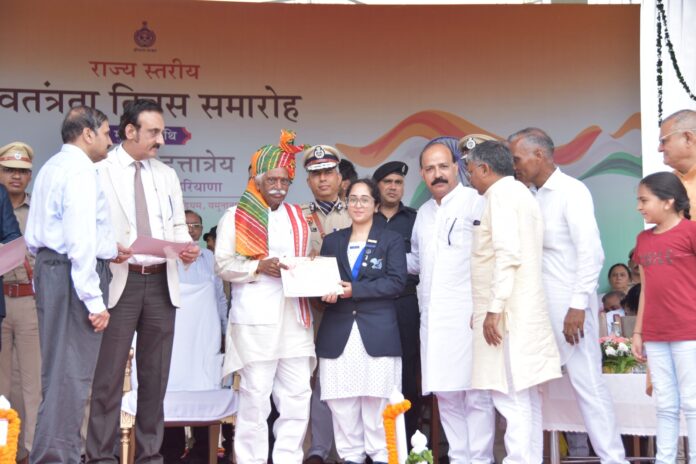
144	37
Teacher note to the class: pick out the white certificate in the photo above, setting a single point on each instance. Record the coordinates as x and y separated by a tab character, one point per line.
310	277
155	247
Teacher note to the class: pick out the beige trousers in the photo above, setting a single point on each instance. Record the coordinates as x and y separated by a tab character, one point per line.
21	356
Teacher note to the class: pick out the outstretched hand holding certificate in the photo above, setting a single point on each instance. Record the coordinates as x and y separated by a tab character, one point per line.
155	247
310	277
12	254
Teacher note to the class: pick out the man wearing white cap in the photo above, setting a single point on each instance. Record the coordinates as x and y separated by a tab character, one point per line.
326	214
21	326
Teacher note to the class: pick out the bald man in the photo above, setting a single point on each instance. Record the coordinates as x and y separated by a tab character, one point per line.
678	147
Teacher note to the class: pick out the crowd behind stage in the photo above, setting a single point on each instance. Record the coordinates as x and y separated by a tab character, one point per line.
478	298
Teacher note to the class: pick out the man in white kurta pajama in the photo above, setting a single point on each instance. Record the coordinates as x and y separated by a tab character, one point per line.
440	254
269	337
572	262
514	347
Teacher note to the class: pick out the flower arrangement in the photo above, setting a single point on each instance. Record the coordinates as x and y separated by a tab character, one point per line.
389	415
616	355
419	454
8	453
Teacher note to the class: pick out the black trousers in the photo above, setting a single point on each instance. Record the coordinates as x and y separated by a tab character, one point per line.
144	307
408	318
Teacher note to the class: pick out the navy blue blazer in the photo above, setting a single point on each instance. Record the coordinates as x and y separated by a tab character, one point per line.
9	230
380	281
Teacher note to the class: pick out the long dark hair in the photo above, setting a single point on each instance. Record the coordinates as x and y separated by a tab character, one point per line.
667	186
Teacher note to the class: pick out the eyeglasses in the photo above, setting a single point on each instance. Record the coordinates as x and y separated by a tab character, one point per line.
466	161
194	225
664	138
271	181
362	201
16	171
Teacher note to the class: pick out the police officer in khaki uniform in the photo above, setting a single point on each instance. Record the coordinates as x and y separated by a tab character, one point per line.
326	214
20	358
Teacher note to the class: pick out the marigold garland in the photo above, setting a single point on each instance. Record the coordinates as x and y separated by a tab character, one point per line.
8	453
391	412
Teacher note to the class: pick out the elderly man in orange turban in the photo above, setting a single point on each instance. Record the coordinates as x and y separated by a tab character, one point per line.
269	337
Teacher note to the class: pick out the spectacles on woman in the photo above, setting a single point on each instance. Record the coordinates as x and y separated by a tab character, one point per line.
362	201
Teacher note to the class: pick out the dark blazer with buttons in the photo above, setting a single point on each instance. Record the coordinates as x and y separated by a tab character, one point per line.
381	278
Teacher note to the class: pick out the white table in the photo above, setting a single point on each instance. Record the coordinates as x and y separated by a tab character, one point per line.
634	409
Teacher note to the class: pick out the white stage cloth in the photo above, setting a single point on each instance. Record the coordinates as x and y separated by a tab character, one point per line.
634	409
195	406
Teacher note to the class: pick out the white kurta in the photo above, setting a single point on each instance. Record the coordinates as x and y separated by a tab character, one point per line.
196	357
263	324
506	278
573	254
441	255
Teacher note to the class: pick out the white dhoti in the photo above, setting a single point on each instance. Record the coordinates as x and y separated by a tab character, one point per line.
524	436
278	360
583	362
468	418
287	382
594	400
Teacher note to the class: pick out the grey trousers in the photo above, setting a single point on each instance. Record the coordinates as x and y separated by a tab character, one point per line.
145	307
69	348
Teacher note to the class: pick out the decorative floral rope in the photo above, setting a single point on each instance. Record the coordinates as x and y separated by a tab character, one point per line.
662	21
391	412
8	453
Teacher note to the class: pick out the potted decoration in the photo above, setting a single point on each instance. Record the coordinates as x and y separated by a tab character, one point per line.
419	454
617	357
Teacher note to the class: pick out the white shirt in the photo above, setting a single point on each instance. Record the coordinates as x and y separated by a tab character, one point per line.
203	270
573	254
441	255
70	215
153	206
263	323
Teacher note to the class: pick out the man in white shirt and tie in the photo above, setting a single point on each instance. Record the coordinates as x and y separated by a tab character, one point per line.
145	199
572	261
69	231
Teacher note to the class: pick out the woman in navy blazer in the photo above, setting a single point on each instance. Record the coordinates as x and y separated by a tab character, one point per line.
358	343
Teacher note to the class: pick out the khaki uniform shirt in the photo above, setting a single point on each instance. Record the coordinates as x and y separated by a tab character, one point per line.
19	274
320	225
